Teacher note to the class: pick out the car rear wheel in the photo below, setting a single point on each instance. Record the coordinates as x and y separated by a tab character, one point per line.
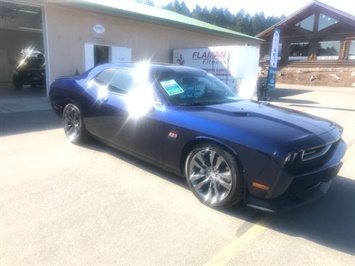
213	176
73	124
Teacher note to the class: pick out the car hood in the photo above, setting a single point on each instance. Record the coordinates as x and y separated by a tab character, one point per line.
262	124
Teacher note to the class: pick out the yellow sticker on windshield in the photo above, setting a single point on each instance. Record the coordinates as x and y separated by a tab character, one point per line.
171	87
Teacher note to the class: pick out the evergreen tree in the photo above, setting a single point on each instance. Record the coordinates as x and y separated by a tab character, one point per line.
240	22
146	2
178	7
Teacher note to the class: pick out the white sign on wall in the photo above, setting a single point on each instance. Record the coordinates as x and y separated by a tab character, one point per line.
99	29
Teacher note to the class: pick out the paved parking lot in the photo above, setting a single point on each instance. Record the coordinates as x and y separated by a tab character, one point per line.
85	205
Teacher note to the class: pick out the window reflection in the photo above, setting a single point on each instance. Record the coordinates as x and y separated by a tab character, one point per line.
307	23
325	21
267	54
328	50
352	50
299	51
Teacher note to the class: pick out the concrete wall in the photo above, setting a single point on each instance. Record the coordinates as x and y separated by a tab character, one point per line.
69	29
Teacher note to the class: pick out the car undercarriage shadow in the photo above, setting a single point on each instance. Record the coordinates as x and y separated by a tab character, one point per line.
281	95
329	221
96	145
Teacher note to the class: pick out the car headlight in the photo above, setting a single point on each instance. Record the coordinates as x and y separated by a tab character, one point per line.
290	159
306	155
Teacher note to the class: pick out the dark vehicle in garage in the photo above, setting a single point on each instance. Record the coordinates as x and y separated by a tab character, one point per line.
30	71
188	122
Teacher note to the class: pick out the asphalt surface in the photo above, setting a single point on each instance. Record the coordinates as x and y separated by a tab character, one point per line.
63	204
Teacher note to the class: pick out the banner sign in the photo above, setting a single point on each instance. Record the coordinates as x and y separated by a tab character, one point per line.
237	65
271	76
214	60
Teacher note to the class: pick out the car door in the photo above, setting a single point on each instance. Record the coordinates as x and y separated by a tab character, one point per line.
93	113
126	113
112	109
143	125
148	134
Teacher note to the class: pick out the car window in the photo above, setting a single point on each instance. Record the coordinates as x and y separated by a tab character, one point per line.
105	76
194	89
122	81
35	63
116	80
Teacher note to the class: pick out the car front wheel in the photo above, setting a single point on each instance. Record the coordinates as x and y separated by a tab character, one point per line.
213	176
73	124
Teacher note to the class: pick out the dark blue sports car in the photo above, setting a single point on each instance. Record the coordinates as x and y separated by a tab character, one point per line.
188	122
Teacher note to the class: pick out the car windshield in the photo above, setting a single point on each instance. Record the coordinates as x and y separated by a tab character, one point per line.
35	62
195	88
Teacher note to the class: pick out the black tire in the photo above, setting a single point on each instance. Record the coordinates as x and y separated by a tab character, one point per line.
214	176
73	125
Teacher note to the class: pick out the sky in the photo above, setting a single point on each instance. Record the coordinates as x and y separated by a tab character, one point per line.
269	7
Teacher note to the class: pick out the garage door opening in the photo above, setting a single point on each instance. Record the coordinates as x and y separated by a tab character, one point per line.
22	63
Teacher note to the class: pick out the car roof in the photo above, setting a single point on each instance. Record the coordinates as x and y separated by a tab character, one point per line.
153	67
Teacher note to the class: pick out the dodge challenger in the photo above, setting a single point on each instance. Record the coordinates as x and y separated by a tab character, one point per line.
188	122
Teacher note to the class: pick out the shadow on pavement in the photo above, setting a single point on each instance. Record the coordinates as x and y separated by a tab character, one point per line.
25	122
329	221
282	94
25	110
9	91
324	107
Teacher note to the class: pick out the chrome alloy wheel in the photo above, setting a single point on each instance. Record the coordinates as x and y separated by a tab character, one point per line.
72	122
210	176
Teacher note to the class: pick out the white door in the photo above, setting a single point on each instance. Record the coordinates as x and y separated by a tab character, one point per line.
117	55
121	54
89	55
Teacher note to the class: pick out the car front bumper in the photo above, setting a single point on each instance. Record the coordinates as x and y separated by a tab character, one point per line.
303	188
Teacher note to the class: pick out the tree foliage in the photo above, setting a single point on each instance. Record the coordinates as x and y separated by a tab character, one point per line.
146	2
241	22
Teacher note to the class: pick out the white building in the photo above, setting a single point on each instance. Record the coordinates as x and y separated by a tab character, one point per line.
76	35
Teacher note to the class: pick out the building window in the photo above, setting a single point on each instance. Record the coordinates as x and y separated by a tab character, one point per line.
325	22
298	51
328	50
352	50
267	54
307	23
